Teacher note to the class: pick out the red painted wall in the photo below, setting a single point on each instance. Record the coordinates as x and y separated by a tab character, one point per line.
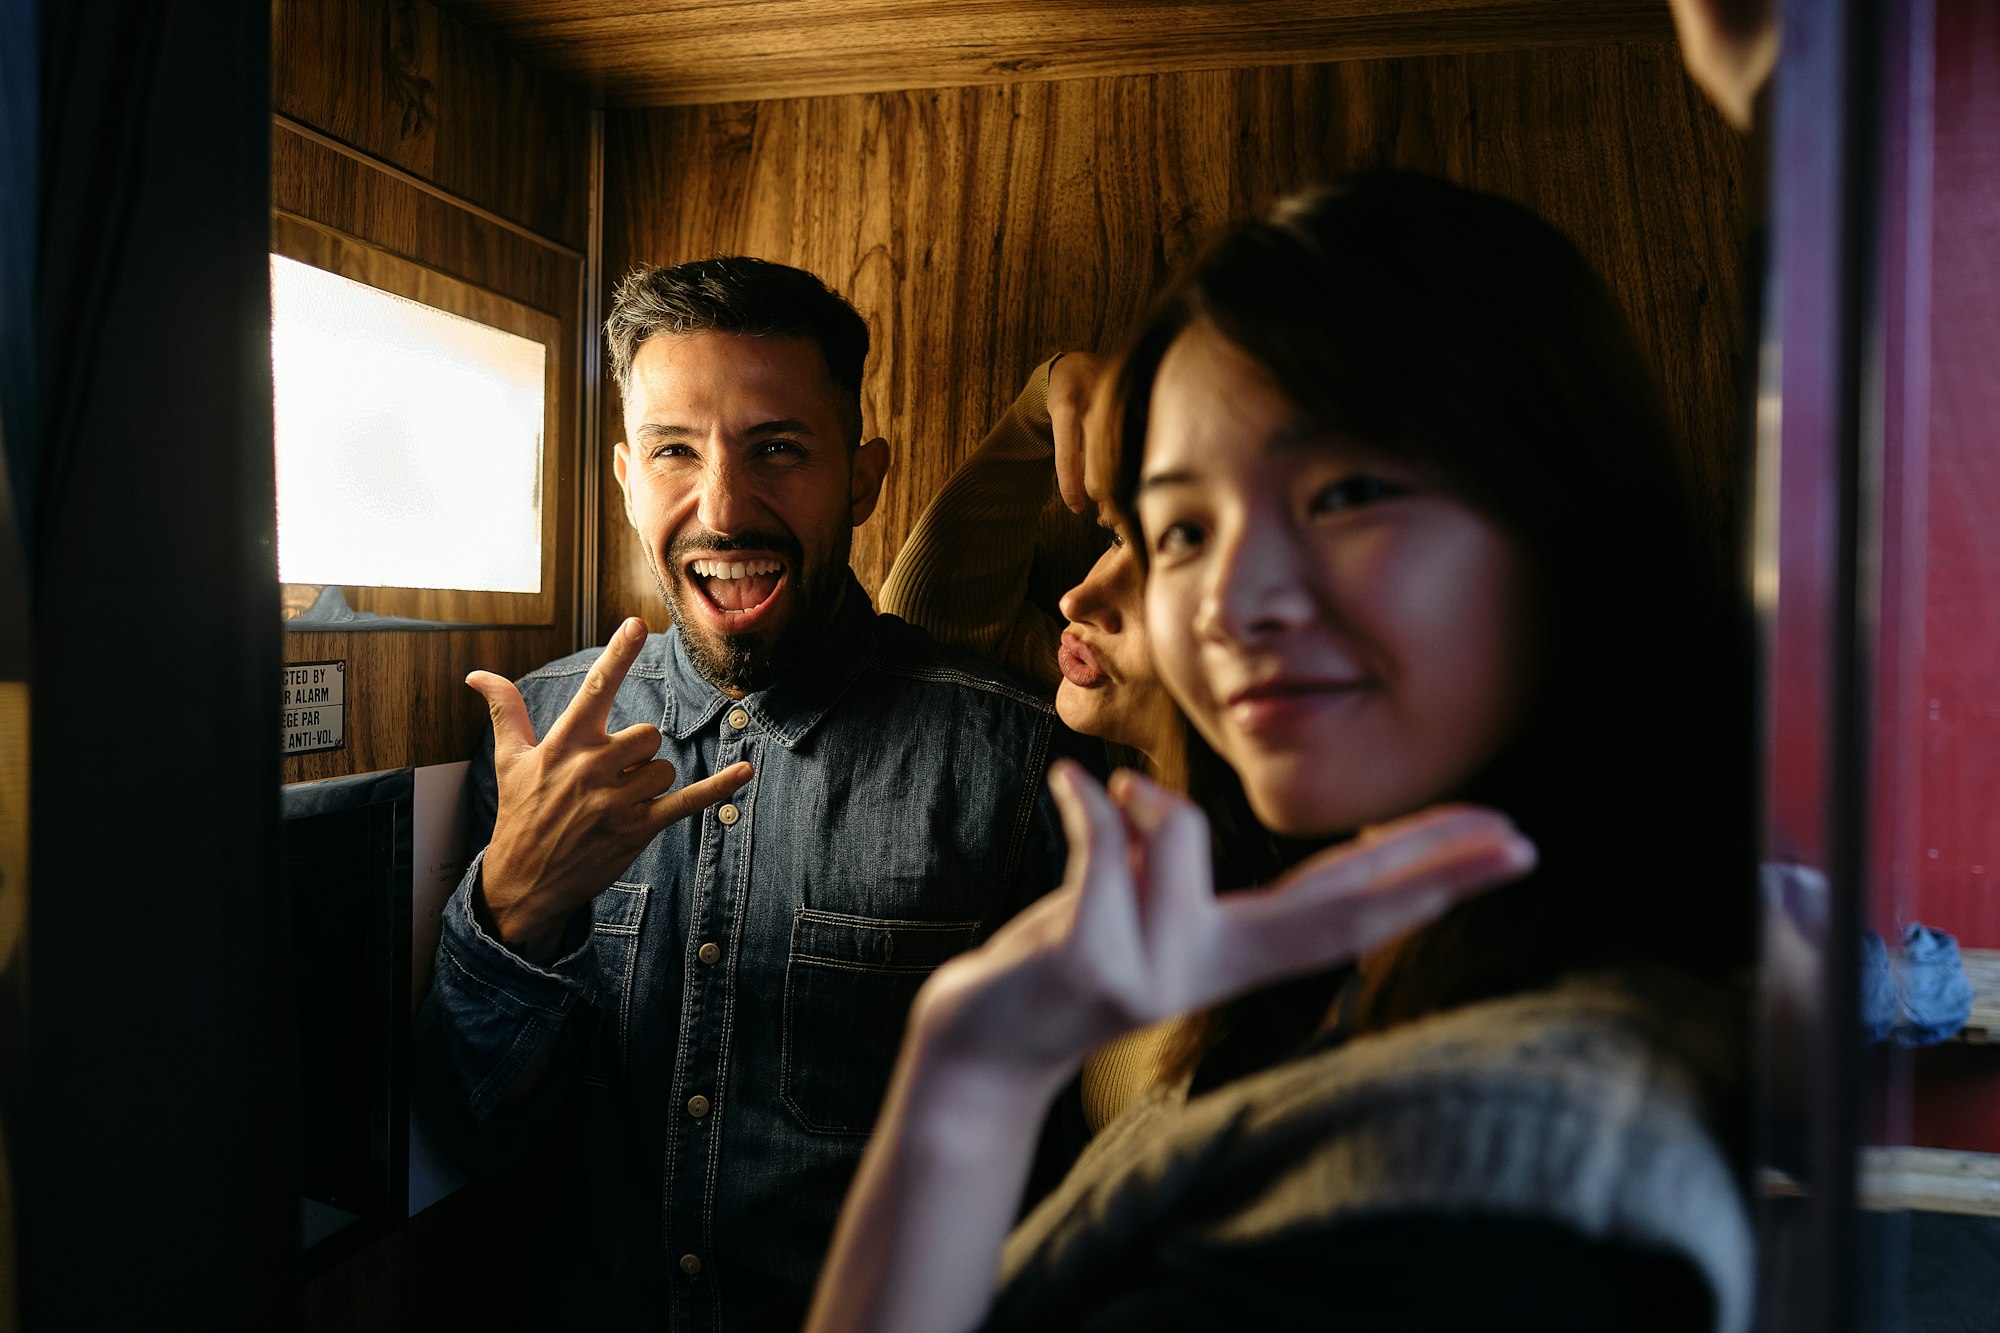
1937	820
1957	875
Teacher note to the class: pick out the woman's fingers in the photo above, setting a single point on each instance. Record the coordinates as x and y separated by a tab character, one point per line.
1105	936
1350	900
1176	879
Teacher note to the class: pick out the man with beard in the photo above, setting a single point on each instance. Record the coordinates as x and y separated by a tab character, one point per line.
723	858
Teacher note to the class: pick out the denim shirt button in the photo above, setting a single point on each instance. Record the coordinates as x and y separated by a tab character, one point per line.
691	1264
697	1106
738	718
709	954
728	814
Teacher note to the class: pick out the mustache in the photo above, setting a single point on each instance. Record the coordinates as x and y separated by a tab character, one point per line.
688	545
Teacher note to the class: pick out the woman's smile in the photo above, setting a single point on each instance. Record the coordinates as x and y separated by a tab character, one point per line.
1309	596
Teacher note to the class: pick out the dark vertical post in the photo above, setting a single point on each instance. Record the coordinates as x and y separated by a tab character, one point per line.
1820	407
155	1153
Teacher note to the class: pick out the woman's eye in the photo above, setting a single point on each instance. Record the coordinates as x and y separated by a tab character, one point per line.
1178	539
1112	537
1355	491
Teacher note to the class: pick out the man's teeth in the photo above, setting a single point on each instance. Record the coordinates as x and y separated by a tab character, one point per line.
735	569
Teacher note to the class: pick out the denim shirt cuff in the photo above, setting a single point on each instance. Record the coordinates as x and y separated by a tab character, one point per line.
549	986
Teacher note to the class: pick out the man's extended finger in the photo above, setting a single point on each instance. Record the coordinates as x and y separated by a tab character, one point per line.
512	728
634	745
590	711
647	781
699	795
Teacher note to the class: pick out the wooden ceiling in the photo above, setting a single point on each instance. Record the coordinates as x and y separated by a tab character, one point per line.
674	52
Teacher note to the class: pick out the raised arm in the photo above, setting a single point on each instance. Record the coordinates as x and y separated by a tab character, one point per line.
1135	934
965	573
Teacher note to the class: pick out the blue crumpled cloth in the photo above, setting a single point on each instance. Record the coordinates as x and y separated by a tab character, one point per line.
1933	997
1918	998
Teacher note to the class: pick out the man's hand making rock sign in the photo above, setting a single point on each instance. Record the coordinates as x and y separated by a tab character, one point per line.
577	806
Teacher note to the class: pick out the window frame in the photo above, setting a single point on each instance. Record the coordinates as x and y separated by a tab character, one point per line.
331	251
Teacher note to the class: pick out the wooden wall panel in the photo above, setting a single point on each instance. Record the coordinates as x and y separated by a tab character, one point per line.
477	154
407	700
982	229
410	85
332	189
357	209
684	52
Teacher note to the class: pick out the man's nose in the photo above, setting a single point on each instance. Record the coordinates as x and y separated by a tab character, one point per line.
1256	588
727	504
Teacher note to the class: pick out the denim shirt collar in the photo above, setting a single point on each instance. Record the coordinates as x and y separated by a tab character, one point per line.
791	707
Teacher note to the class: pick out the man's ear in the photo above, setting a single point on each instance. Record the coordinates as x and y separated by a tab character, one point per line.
864	487
621	466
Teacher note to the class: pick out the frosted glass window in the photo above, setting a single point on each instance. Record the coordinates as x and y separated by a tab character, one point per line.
409	440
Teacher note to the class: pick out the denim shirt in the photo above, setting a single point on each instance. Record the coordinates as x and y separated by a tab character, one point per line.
725	1021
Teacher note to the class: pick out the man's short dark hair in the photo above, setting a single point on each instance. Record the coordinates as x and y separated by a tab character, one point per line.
737	294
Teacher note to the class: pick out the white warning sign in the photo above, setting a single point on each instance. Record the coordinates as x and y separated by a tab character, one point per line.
315	706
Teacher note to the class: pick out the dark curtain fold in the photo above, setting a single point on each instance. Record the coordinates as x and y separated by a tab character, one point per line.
154	1153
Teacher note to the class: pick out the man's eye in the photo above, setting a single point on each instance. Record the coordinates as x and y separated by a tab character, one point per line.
673	451
1355	491
780	447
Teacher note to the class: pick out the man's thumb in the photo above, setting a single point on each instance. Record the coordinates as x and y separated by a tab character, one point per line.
511	728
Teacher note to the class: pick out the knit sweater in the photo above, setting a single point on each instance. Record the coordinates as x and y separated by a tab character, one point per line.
1542	1160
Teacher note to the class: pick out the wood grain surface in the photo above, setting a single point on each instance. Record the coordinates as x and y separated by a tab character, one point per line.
407	701
511	141
646	53
982	229
343	193
336	212
415	87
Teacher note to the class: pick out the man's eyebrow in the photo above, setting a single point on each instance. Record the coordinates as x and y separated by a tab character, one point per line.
655	430
789	426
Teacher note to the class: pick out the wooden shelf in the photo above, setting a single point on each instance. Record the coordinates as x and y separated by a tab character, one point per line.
1982	969
1930	1180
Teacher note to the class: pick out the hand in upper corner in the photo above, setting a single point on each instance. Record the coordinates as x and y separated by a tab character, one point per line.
1075	381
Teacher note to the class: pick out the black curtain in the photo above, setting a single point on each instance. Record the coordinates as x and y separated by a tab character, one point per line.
154	1112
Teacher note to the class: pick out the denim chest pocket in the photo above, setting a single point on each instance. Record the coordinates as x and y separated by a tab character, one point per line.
849	981
614	928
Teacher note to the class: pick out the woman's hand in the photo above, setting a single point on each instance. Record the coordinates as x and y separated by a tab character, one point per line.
1134	934
1137	932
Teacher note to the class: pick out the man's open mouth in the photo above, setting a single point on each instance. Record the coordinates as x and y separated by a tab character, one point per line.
736	587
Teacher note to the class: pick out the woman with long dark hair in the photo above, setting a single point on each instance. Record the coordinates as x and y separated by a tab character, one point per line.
1468	717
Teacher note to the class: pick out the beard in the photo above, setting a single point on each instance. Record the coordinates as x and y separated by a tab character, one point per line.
748	662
